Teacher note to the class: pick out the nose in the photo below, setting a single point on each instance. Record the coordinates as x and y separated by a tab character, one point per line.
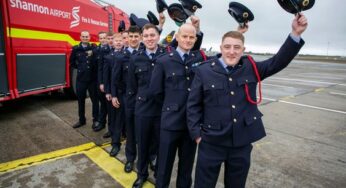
231	50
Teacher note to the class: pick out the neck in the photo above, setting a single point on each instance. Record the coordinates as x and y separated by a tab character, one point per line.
183	50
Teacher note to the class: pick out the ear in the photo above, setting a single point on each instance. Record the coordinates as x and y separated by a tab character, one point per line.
220	48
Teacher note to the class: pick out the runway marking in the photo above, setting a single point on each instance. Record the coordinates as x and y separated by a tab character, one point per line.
335	93
309	81
97	154
278	85
305	105
38	159
319	89
113	167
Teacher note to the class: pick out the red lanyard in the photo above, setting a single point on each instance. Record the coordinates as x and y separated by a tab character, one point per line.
259	84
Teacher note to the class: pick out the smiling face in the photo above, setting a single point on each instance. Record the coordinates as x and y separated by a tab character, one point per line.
186	37
117	41
85	37
103	39
232	48
150	37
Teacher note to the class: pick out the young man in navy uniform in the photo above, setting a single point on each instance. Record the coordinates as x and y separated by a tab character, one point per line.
98	53
119	94
81	59
147	112
109	62
170	86
222	112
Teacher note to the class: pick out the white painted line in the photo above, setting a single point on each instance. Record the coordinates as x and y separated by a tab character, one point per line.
278	86
335	93
305	105
300	80
269	99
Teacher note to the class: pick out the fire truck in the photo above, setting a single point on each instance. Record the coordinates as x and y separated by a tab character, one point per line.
36	38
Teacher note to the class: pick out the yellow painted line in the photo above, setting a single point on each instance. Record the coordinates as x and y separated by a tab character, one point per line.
319	89
41	35
287	98
113	167
38	159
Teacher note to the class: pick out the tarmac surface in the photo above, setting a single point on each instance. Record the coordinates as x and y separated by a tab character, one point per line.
304	109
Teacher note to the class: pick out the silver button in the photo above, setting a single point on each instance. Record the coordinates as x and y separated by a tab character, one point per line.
233	106
232	93
187	78
140	70
189	89
152	64
246	81
186	67
213	63
230	79
212	86
235	120
139	98
168	108
173	73
255	118
209	126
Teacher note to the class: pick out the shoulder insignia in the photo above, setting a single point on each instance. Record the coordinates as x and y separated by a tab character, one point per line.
171	54
196	64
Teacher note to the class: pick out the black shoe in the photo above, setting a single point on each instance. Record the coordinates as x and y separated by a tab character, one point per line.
115	150
139	182
78	124
152	165
98	127
107	135
128	166
95	124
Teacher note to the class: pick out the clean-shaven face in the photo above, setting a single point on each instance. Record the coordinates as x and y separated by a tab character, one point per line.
186	37
150	38
232	50
134	40
85	37
103	39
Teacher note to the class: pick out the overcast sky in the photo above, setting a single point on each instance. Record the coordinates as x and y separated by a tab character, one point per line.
326	33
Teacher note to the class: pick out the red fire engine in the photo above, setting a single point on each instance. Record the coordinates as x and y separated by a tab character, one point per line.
36	37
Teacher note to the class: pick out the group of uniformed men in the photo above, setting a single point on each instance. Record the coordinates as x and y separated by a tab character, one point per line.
171	99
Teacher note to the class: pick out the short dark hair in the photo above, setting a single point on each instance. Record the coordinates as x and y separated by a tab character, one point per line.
235	35
150	26
110	33
101	32
134	29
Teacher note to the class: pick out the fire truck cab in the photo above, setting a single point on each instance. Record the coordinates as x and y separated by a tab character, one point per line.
36	38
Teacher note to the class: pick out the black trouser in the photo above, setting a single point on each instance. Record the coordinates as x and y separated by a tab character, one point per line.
119	122
113	129
103	107
147	130
82	88
209	160
130	148
170	141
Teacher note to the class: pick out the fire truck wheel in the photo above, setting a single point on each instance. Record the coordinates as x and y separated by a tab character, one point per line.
71	91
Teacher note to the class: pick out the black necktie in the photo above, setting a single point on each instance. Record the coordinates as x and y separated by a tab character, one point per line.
152	55
185	56
230	69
